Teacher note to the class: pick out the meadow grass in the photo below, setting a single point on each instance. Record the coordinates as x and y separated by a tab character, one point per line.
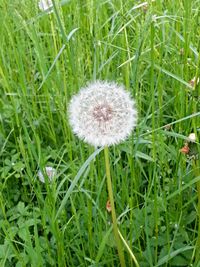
153	49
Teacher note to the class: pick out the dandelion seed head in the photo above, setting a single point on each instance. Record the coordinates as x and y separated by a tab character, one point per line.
44	5
102	113
49	171
192	137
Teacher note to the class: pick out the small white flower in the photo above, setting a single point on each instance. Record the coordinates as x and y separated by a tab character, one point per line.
44	5
192	137
49	171
102	114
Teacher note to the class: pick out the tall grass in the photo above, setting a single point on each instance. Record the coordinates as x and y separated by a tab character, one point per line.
153	49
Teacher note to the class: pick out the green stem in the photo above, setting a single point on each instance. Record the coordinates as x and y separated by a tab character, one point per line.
197	248
114	218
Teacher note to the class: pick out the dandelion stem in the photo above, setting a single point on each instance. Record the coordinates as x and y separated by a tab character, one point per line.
114	218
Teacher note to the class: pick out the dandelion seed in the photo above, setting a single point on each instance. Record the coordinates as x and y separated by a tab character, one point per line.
102	114
45	5
49	171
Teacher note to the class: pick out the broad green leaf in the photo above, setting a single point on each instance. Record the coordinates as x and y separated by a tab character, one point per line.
173	254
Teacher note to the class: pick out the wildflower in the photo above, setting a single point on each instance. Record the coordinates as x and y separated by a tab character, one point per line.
102	114
185	149
192	137
45	5
49	171
108	206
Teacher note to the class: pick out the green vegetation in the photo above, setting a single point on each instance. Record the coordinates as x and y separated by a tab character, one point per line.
153	49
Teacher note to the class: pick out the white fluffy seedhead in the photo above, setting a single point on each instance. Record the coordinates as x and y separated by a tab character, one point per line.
192	137
102	114
44	5
50	173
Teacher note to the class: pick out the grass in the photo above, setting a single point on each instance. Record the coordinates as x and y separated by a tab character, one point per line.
44	59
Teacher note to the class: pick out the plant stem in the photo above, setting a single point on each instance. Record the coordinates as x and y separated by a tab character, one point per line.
197	247
114	218
198	211
129	250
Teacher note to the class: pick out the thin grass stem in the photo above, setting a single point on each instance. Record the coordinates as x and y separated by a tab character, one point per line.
129	249
197	246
